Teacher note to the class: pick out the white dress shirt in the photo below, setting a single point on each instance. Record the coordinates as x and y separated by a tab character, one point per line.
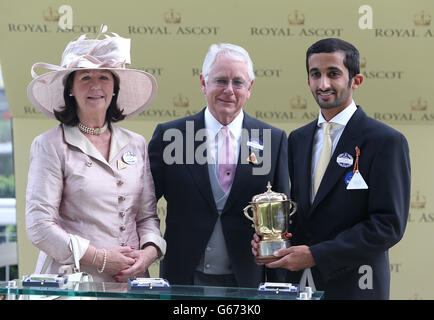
213	127
340	120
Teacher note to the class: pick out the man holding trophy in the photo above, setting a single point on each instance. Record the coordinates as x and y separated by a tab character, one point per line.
350	178
208	166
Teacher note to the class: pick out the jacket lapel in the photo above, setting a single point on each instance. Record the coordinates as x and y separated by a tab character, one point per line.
199	172
243	170
74	137
118	141
304	162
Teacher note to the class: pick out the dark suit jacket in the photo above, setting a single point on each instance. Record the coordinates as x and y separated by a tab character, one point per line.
349	229
191	209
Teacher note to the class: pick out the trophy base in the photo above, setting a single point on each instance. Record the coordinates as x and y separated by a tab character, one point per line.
267	248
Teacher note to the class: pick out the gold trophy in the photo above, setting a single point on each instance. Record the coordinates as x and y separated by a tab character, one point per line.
271	218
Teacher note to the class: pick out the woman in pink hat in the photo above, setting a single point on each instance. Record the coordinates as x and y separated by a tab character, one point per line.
89	181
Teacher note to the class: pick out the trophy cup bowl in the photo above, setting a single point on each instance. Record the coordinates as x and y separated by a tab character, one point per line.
272	213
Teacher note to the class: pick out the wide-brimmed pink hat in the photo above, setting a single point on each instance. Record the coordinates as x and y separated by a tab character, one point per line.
137	88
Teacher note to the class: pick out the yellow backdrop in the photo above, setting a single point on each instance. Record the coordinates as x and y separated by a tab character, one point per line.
170	39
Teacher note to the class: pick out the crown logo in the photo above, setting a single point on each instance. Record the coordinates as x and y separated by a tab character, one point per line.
417	201
296	18
172	17
362	62
419	105
50	15
298	103
422	19
180	101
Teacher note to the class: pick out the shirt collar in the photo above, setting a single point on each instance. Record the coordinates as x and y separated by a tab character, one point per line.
342	117
214	126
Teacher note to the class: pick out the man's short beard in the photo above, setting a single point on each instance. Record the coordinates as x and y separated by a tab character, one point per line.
336	103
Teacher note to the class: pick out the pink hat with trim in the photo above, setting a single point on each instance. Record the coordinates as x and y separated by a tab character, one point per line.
137	88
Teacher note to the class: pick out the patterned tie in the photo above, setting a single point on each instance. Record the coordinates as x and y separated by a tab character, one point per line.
226	163
324	157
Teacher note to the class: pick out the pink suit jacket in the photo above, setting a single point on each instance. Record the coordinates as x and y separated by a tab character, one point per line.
72	189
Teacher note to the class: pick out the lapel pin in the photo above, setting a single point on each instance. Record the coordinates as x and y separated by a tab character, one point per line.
121	165
356	180
252	158
345	160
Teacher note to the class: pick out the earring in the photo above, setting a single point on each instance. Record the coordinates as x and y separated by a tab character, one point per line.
71	95
114	94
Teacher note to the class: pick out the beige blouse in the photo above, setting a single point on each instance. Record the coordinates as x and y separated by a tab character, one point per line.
72	189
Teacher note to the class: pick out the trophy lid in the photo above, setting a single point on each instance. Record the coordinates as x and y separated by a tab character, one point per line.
269	196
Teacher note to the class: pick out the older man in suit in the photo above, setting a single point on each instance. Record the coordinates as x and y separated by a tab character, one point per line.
208	166
350	176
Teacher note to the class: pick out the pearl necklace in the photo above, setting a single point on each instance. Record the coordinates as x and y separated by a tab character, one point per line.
94	131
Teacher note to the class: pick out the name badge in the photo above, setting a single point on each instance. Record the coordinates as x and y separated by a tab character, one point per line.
129	158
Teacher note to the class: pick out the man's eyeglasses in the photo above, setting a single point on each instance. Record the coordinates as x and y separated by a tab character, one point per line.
237	84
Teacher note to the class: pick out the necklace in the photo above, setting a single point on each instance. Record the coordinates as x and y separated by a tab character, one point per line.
95	131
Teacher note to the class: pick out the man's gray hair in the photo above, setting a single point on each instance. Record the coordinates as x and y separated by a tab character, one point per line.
233	51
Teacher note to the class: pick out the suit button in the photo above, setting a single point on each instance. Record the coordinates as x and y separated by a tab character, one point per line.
122	228
122	213
120	182
121	198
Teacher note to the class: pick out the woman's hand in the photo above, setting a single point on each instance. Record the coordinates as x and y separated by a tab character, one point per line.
143	259
117	259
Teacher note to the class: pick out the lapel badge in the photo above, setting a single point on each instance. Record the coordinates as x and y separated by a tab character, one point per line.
356	180
348	177
129	158
121	165
255	144
252	158
345	160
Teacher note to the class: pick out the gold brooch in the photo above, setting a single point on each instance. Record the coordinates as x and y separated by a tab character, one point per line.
252	158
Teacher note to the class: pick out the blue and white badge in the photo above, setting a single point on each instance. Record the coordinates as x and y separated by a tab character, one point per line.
348	177
345	160
129	158
255	144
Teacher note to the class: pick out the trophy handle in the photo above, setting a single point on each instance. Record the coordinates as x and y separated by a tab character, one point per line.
246	213
293	208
